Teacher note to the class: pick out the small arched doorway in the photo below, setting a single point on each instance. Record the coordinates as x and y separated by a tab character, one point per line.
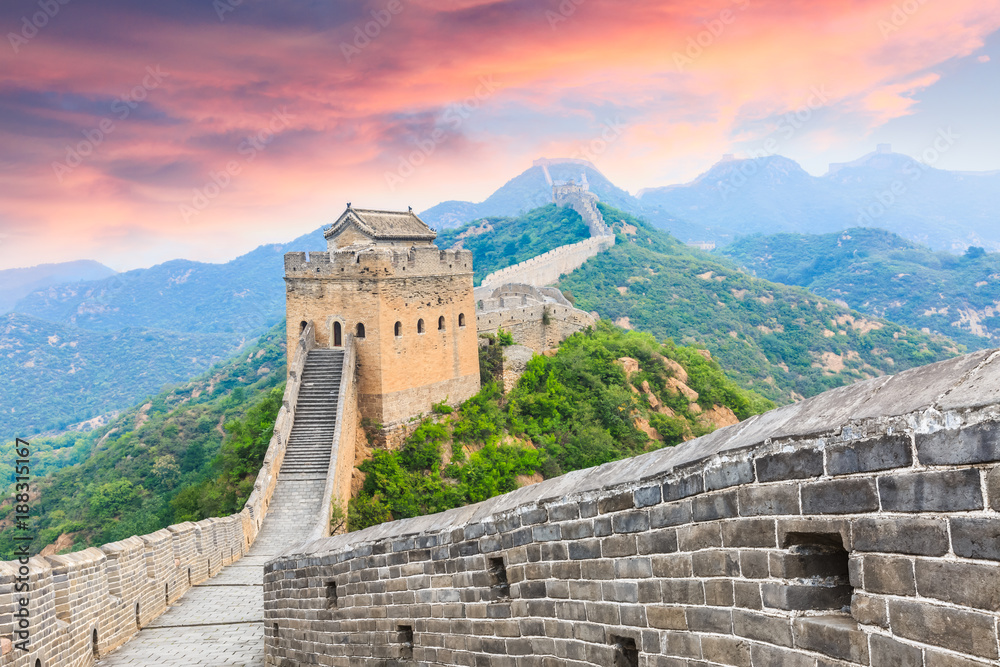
338	335
360	333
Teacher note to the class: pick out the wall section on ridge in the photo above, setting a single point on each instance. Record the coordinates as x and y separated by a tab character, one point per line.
860	527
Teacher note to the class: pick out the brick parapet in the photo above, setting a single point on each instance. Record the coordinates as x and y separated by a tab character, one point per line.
546	268
715	552
120	587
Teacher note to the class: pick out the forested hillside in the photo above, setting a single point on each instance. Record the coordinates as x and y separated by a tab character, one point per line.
882	274
781	341
56	375
496	243
606	394
189	452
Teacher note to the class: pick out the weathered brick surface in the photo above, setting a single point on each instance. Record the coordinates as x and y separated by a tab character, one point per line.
832	547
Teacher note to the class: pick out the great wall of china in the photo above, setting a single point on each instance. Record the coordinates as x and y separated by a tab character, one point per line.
860	527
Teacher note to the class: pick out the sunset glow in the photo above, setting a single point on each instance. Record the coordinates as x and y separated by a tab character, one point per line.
133	133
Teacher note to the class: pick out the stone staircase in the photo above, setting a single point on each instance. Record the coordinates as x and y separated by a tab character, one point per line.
311	441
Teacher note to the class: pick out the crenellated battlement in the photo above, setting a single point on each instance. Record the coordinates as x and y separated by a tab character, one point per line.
373	261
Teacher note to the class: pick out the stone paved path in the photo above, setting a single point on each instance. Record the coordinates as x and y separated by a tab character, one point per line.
220	622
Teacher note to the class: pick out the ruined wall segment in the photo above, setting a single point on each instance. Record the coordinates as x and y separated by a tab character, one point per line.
860	527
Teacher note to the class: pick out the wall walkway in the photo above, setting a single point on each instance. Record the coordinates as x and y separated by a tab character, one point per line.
189	594
860	527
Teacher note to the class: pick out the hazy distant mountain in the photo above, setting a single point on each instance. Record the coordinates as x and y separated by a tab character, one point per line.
243	296
17	283
942	209
528	191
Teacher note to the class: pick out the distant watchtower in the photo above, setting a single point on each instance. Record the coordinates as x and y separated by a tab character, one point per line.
408	304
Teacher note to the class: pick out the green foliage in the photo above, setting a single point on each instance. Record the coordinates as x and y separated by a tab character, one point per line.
574	410
882	274
442	408
783	342
513	240
189	452
57	375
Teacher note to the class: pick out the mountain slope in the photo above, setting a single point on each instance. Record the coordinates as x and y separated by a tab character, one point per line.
781	341
182	454
498	242
882	274
56	375
18	283
527	191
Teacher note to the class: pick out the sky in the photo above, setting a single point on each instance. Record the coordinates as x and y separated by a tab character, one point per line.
134	132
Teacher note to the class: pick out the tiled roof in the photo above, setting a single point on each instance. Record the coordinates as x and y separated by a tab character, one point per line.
383	225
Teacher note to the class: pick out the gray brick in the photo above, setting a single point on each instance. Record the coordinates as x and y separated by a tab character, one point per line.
837	637
730	473
840	496
769	500
974	537
932	491
882	453
763	655
974	444
888	651
670	514
683	487
647	496
699	536
963	631
966	584
904	535
704	619
714	506
749	533
801	597
802	463
892	576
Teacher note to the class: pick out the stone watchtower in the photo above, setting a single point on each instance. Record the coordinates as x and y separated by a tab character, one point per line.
408	305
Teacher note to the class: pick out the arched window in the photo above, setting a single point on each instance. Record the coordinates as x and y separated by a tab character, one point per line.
398	329
441	323
94	638
337	335
360	331
461	319
302	326
420	326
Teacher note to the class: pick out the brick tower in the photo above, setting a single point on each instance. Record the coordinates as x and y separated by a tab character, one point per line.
407	303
